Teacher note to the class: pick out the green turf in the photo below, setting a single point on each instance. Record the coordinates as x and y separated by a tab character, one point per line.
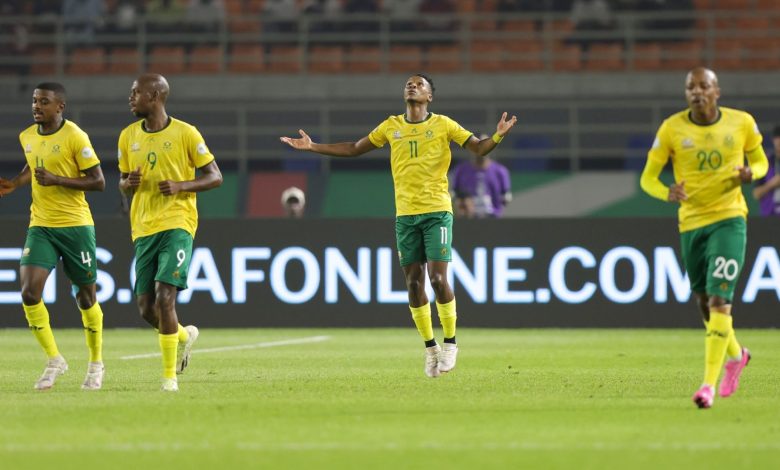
518	399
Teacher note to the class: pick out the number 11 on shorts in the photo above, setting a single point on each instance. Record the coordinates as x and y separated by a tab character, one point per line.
443	235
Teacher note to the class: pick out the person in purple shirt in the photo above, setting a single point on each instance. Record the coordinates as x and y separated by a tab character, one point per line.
481	187
767	189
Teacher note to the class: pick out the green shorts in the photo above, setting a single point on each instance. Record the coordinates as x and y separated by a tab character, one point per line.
44	246
162	257
424	237
713	256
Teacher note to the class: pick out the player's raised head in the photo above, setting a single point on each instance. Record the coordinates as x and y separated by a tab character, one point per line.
419	87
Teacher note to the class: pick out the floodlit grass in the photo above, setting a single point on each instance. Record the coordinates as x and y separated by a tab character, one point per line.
359	399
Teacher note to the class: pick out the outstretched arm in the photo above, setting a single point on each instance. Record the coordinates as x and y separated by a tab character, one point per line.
343	149
8	186
485	146
210	177
92	180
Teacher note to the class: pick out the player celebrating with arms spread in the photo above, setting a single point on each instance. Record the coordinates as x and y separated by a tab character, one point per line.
61	226
708	145
158	157
420	157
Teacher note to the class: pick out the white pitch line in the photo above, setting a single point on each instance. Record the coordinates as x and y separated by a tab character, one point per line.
270	344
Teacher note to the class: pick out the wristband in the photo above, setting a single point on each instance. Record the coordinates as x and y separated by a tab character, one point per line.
497	138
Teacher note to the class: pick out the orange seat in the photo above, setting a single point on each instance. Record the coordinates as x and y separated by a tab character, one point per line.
245	24
647	56
526	26
405	58
605	57
444	59
43	61
326	59
566	57
364	59
728	55
206	59
681	55
761	54
124	61
486	56
167	60
285	59
524	55
741	5
87	61
247	58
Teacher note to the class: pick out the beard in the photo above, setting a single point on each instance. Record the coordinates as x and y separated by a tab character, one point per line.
140	114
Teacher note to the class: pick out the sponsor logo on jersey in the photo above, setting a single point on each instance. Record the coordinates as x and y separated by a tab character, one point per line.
86	152
202	149
687	143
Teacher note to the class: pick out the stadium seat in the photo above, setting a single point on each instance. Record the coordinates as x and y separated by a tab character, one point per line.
647	56
486	56
524	56
206	59
405	58
566	57
326	59
124	61
43	61
525	26
442	58
167	60
87	61
285	59
728	55
605	57
364	59
681	55
741	5
761	54
246	58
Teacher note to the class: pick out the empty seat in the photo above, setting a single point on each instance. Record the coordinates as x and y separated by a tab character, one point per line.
486	56
524	55
247	58
647	56
167	60
43	61
206	59
681	56
285	59
364	59
326	59
124	61
442	58
87	61
405	58
566	57
728	55
605	57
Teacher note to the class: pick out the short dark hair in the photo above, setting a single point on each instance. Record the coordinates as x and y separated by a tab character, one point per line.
57	88
429	80
776	131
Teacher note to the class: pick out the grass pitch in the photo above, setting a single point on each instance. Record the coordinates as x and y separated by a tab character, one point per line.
359	399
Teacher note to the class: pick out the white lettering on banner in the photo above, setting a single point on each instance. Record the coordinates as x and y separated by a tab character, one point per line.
241	275
474	283
766	260
503	275
358	283
607	275
667	271
311	275
557	275
371	279
203	261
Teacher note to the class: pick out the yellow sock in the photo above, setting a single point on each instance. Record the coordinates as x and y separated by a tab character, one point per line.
182	334
92	318
733	350
718	332
168	345
38	319
422	318
447	317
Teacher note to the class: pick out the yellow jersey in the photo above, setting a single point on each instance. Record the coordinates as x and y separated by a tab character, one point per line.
705	157
419	158
65	152
172	153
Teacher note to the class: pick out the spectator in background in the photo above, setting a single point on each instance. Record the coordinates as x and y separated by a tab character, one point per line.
205	16
81	18
669	20
438	18
281	16
326	13
481	187
403	14
362	7
767	189
592	19
293	202
165	16
18	48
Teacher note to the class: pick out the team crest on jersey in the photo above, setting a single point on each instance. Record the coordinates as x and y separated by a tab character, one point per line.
687	143
56	148
26	251
167	145
443	251
729	141
397	135
135	147
429	134
414	130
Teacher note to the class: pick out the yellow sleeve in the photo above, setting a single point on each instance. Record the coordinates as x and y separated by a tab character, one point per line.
197	150
457	133
758	162
656	160
378	136
753	137
83	151
122	154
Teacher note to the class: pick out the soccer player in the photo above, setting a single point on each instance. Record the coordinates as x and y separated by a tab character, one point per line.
158	158
707	145
420	157
61	226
